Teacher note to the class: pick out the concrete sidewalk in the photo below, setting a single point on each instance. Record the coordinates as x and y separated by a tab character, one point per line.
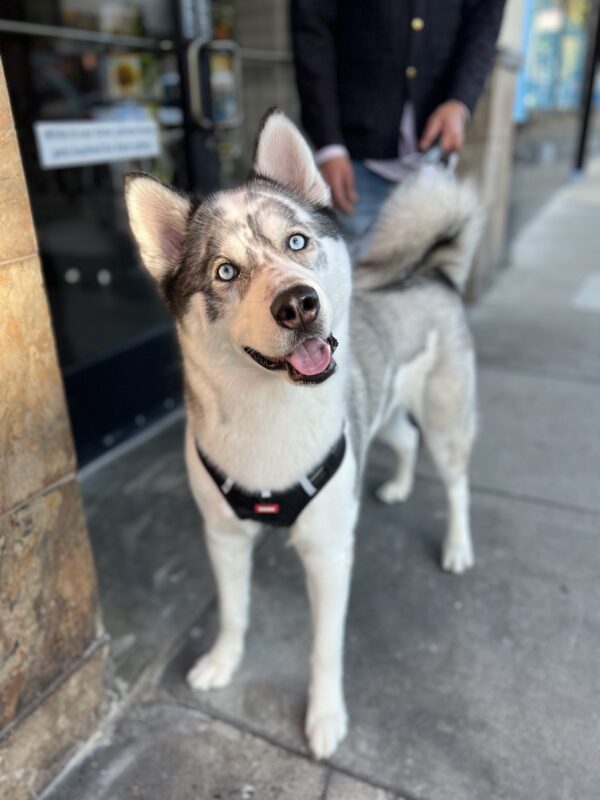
483	687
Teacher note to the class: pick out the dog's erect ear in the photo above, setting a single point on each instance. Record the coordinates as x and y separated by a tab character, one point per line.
158	215
283	155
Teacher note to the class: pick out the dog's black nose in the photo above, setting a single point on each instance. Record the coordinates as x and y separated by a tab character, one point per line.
296	307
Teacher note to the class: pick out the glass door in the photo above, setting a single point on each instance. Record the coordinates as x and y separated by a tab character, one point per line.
100	87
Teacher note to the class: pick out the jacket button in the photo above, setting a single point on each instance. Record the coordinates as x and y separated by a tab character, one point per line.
411	72
417	24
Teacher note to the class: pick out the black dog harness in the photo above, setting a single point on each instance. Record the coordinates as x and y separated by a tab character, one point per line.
277	508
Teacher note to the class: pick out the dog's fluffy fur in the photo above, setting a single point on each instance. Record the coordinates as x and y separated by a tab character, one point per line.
405	357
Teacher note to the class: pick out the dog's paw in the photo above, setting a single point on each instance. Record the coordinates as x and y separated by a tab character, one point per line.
214	670
392	492
457	557
325	730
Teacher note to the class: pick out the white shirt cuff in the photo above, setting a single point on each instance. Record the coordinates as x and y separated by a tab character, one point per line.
329	152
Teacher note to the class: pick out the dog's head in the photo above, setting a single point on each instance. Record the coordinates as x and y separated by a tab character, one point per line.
259	273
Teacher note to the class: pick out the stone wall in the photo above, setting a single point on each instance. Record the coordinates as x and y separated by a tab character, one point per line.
51	650
488	159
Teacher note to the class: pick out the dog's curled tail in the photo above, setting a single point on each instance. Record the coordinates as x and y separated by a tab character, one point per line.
430	223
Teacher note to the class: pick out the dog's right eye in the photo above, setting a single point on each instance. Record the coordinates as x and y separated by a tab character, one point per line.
297	241
227	272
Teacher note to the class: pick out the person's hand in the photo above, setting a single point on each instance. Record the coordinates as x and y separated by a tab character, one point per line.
448	123
339	174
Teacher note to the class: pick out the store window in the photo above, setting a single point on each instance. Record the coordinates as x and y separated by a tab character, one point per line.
96	91
555	55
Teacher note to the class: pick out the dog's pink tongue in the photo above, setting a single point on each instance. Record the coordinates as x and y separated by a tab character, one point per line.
311	357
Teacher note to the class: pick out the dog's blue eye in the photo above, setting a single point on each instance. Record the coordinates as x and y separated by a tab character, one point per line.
297	242
227	272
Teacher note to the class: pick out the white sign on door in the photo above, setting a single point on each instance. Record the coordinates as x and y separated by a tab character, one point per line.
74	144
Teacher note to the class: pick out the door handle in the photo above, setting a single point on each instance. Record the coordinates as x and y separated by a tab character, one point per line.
214	76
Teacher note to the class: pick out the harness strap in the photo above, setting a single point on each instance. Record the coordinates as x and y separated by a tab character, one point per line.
280	509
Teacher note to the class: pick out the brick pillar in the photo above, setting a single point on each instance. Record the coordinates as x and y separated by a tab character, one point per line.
51	650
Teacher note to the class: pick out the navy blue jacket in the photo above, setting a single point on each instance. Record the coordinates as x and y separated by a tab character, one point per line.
359	61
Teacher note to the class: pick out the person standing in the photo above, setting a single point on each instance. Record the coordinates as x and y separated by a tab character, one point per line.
380	80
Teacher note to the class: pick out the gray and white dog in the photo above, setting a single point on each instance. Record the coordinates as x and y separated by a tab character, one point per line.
259	281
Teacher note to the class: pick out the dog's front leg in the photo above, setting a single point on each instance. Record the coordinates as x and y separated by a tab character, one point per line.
229	544
328	572
323	538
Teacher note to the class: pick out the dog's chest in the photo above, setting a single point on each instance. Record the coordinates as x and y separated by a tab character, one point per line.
266	442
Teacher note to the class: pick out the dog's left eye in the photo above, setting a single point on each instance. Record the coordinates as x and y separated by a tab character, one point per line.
297	242
227	272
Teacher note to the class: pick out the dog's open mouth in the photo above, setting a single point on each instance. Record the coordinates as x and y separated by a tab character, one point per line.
310	362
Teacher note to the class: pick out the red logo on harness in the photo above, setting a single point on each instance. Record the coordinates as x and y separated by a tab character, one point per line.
266	508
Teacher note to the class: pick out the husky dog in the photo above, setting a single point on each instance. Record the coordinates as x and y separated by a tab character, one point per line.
258	279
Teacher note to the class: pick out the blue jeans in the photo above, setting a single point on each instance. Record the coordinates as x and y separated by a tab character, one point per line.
372	191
